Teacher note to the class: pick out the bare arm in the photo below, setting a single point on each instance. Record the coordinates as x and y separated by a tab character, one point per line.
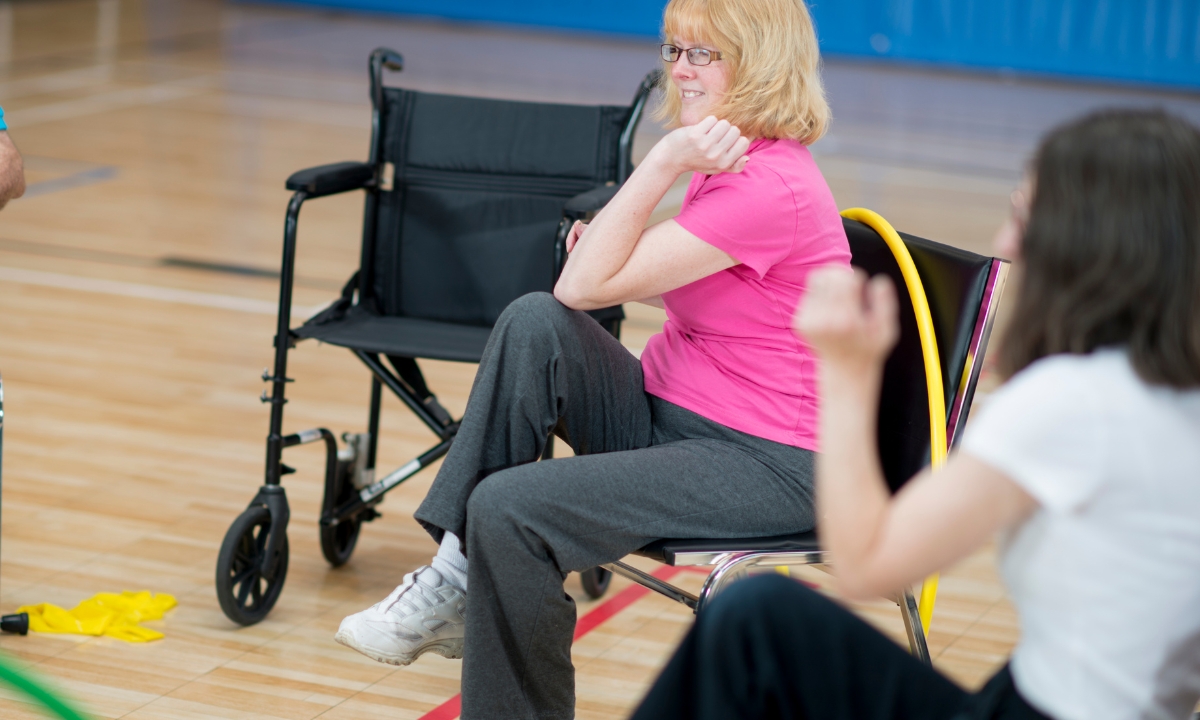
12	170
881	543
617	259
573	237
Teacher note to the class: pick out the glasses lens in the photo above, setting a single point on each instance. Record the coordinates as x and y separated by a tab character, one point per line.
699	56
670	53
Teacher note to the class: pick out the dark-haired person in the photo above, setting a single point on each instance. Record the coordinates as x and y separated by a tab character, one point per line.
12	168
1086	462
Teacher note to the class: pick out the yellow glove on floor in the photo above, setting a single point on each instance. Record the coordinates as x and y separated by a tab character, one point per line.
104	614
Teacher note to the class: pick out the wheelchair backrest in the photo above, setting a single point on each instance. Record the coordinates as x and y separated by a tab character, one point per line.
477	195
955	282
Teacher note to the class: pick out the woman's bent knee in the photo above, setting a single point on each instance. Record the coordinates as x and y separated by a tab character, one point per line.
505	514
531	321
494	508
536	306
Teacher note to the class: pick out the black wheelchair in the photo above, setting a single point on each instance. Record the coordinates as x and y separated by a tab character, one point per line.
468	205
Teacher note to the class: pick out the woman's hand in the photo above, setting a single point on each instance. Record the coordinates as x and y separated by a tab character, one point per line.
575	233
710	146
851	322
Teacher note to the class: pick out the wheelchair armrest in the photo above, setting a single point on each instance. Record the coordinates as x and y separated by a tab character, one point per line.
579	206
332	179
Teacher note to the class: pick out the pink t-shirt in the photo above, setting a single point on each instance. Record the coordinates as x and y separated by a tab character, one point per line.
727	350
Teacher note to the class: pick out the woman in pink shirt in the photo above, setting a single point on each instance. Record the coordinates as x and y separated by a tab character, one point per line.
711	434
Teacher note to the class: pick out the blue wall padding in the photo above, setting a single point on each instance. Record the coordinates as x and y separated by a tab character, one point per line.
1149	40
1155	41
630	17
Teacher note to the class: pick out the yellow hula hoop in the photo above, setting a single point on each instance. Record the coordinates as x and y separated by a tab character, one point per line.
933	367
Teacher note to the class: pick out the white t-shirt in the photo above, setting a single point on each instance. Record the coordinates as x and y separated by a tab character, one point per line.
1105	575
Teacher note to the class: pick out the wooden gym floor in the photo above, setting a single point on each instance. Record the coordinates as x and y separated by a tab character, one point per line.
136	311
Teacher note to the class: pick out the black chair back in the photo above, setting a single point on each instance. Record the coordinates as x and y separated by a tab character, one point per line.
478	192
954	282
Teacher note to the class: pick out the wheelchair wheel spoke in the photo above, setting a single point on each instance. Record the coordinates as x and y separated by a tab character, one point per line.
243	575
244	589
260	540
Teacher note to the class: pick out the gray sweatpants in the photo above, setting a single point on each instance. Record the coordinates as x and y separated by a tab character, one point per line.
644	469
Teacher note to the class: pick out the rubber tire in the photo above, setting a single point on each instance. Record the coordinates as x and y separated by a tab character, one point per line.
595	582
338	541
241	553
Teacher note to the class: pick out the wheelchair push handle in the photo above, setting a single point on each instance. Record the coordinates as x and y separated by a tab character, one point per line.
382	58
625	142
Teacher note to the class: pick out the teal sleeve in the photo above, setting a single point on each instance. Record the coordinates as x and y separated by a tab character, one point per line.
3	125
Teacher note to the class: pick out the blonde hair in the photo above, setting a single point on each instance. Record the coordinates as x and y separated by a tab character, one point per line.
770	50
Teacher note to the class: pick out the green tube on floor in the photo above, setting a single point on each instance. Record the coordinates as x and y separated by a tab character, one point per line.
22	681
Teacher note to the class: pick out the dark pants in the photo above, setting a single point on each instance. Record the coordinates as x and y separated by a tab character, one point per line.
769	647
645	469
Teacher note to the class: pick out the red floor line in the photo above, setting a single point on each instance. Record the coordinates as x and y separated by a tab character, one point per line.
589	622
446	711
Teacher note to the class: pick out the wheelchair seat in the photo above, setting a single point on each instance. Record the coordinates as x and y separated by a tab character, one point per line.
401	336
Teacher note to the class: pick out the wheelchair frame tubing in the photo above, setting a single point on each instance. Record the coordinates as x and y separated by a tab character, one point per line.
396	385
283	341
381	59
382	376
373	422
625	141
271	494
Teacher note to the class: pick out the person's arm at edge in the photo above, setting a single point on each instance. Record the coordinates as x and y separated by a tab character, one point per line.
12	170
616	259
878	543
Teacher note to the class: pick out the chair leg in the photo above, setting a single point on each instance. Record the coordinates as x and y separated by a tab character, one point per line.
732	569
737	567
912	625
648	580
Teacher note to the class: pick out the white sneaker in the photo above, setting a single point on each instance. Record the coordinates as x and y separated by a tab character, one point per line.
424	614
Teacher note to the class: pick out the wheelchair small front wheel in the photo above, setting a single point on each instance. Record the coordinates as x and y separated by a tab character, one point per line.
338	541
595	581
245	592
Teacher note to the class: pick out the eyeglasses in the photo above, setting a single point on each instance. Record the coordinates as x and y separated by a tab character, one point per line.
696	56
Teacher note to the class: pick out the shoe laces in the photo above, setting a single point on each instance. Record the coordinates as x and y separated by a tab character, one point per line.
417	592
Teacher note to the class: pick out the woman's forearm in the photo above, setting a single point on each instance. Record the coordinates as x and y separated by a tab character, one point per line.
852	495
608	241
878	544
